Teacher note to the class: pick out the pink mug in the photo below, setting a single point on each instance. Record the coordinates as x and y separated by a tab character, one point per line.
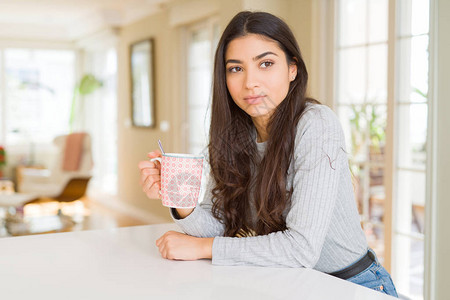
181	176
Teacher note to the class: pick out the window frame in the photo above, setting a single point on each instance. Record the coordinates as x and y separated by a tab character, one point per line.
325	64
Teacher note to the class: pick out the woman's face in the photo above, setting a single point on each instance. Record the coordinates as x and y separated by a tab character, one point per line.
257	74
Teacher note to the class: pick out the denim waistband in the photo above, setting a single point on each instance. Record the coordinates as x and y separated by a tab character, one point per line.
357	267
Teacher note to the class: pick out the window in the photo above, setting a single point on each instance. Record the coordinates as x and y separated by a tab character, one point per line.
36	93
364	97
411	111
38	86
361	102
100	118
202	39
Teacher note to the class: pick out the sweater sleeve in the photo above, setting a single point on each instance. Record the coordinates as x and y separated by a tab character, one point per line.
201	222
318	158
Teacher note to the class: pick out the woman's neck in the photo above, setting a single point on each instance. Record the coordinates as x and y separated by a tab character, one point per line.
261	129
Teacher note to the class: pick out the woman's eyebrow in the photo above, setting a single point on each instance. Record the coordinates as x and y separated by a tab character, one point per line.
233	61
237	61
264	54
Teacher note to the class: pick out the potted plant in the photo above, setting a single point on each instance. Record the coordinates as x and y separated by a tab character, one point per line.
2	160
87	85
367	130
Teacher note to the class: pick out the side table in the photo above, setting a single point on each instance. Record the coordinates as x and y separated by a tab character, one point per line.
20	169
6	186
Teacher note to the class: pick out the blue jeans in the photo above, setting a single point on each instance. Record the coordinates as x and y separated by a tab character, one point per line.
375	277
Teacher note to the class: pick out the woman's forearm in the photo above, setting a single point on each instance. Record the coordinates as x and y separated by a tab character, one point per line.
207	247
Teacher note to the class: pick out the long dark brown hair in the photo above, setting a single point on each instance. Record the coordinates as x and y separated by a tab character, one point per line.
232	147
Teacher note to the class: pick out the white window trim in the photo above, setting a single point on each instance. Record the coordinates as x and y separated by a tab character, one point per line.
431	197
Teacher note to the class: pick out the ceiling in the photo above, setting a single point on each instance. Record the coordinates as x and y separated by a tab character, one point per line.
69	20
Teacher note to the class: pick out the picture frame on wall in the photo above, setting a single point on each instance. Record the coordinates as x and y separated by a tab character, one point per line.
142	83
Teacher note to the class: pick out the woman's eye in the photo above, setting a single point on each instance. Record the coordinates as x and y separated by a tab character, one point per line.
234	69
266	64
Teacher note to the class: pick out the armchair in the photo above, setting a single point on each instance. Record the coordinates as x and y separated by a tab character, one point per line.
69	175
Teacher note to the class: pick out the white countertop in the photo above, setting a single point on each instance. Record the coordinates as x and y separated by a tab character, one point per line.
124	263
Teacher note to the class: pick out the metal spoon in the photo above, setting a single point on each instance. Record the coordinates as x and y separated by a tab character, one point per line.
160	147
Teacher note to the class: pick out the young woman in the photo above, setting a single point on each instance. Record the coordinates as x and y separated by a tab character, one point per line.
280	191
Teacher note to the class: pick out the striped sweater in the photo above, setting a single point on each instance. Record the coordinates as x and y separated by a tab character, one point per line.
323	227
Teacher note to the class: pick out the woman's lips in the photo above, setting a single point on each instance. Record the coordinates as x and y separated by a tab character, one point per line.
254	99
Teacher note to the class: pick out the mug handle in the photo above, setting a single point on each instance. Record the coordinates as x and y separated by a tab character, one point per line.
160	160
156	158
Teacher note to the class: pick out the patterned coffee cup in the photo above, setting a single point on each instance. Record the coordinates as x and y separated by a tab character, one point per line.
181	176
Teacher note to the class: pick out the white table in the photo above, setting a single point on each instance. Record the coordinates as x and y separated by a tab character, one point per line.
124	263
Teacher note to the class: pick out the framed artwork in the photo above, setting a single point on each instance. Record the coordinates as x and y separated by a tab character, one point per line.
142	87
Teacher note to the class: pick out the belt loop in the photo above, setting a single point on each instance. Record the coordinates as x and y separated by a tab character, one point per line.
373	255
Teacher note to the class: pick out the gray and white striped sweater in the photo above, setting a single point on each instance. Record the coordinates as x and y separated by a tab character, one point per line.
324	230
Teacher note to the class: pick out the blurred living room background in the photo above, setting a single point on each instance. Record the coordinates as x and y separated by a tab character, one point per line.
112	77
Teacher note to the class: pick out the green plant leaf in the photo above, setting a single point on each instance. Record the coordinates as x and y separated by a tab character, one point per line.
416	90
88	84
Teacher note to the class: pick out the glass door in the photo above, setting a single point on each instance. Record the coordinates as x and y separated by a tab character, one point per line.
361	103
411	111
381	96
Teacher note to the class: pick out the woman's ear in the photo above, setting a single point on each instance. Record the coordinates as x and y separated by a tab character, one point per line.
292	71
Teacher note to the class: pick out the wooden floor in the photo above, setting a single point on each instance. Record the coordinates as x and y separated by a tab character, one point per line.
84	214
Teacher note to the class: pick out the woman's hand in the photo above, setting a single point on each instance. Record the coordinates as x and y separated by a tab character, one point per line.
151	180
151	176
178	246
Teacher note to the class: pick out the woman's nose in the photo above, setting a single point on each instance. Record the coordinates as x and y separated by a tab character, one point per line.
251	80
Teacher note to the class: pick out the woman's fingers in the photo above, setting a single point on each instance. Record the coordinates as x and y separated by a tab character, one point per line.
151	171
146	164
148	169
153	190
150	178
146	173
149	181
179	246
153	154
161	244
